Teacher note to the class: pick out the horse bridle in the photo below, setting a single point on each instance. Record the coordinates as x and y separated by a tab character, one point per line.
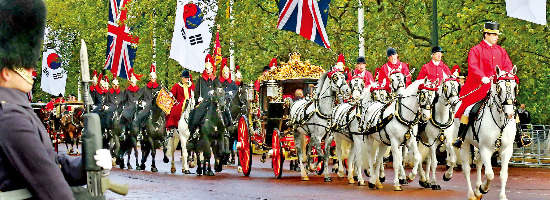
400	81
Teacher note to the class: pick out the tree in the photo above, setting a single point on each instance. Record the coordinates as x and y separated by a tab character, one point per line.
404	25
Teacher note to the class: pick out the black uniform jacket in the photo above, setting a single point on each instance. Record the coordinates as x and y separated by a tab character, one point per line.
27	157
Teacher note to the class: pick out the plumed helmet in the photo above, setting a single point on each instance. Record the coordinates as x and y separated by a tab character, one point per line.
185	74
153	72
22	25
390	52
224	67
273	63
341	59
115	81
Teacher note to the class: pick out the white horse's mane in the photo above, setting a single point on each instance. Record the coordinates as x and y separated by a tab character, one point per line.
412	89
320	84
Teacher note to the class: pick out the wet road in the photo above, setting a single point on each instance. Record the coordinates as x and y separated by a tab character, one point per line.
523	183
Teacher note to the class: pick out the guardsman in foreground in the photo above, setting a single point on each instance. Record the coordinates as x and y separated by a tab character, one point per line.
146	100
29	166
482	62
207	82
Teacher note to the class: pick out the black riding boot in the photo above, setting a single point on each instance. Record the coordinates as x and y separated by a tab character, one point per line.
522	140
461	135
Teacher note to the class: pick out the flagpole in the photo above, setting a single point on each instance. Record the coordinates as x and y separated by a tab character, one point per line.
360	25
231	50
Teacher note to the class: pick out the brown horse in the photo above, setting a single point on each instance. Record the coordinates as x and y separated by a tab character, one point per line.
71	126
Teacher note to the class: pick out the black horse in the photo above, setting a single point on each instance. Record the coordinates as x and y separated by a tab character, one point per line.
153	136
212	135
238	107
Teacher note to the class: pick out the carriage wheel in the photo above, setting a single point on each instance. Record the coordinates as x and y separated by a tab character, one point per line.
245	153
277	157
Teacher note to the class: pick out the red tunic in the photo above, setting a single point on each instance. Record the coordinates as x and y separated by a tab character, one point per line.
175	113
384	72
366	75
433	72
482	60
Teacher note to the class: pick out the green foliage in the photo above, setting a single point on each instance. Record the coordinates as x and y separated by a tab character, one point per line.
404	25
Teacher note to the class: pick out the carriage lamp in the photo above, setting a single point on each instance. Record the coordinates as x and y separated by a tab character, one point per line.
272	90
250	92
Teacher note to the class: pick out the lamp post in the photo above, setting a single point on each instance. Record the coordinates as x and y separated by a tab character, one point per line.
435	39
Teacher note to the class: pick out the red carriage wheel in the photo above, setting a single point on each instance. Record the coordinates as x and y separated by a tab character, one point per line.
245	153
277	156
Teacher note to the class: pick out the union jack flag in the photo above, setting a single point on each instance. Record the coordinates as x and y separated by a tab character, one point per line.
307	18
120	53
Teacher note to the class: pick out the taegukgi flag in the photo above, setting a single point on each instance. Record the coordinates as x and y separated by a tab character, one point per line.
54	77
192	32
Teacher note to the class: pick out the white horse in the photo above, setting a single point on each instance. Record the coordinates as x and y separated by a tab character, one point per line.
393	124
182	134
437	132
345	121
310	117
495	128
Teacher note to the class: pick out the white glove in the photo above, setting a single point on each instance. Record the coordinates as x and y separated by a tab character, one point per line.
200	99
103	159
485	80
143	104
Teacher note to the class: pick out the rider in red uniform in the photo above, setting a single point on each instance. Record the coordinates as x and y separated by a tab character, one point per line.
181	91
393	64
434	69
482	60
360	71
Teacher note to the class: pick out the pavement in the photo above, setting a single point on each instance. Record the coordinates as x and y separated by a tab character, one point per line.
523	183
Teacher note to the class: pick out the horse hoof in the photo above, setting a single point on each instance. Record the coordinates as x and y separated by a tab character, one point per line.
328	179
240	169
141	167
186	172
379	186
397	188
382	179
130	166
436	187
361	183
445	178
422	183
482	192
305	178
402	181
154	169
372	186
355	178
165	159
173	170
210	173
428	185
351	181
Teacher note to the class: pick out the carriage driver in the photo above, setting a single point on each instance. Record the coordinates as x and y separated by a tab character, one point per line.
207	82
29	166
146	100
393	64
482	60
360	71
